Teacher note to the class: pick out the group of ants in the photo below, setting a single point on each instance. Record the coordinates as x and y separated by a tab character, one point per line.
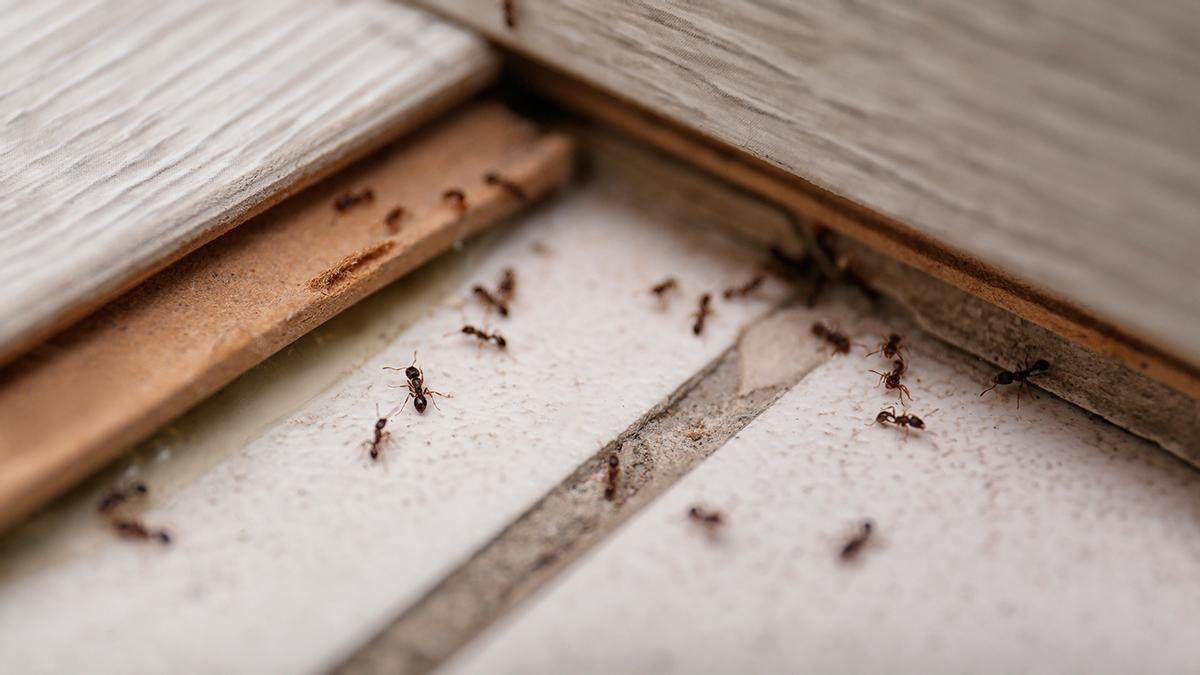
712	520
116	504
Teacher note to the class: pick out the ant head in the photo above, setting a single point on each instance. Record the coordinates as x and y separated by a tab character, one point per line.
374	453
380	423
1040	366
140	488
164	537
501	342
1004	377
883	416
694	511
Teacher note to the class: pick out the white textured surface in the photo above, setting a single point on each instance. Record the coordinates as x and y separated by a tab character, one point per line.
132	129
1031	541
294	549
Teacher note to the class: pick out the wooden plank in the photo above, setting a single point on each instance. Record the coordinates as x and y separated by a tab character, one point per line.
135	132
75	403
890	238
1053	141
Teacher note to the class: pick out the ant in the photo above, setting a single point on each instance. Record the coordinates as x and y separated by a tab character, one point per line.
746	288
380	434
854	546
904	420
510	13
485	336
1019	376
495	179
702	313
504	294
351	199
491	300
507	288
457	199
835	338
891	379
890	348
129	528
614	472
417	391
118	496
710	520
393	218
664	287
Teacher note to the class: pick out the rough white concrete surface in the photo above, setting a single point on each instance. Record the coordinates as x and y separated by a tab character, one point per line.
1038	540
293	550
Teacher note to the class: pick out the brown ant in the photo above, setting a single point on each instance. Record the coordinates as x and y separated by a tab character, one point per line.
890	348
131	528
702	313
457	199
485	336
490	300
710	520
393	218
905	420
891	379
510	13
746	288
661	289
504	294
380	434
1019	376
119	496
417	391
494	179
614	472
349	200
507	288
855	545
836	339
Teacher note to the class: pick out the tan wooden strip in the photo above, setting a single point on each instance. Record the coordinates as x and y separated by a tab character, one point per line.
79	400
133	133
885	235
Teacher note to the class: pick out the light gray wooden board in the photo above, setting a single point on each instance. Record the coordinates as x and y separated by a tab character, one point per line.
134	130
1056	140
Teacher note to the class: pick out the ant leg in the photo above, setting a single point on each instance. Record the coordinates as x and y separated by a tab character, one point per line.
904	392
882	376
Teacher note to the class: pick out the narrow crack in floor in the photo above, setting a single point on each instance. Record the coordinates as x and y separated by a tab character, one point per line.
654	452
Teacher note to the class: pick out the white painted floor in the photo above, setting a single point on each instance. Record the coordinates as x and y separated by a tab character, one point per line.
294	549
1038	540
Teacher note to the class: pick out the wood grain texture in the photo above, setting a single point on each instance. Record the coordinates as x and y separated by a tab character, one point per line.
1056	141
136	131
886	236
79	400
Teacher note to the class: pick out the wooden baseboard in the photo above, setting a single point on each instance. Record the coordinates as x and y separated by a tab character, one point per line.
882	234
79	400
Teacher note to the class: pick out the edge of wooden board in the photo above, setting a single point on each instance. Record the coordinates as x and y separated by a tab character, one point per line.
363	145
77	402
860	223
